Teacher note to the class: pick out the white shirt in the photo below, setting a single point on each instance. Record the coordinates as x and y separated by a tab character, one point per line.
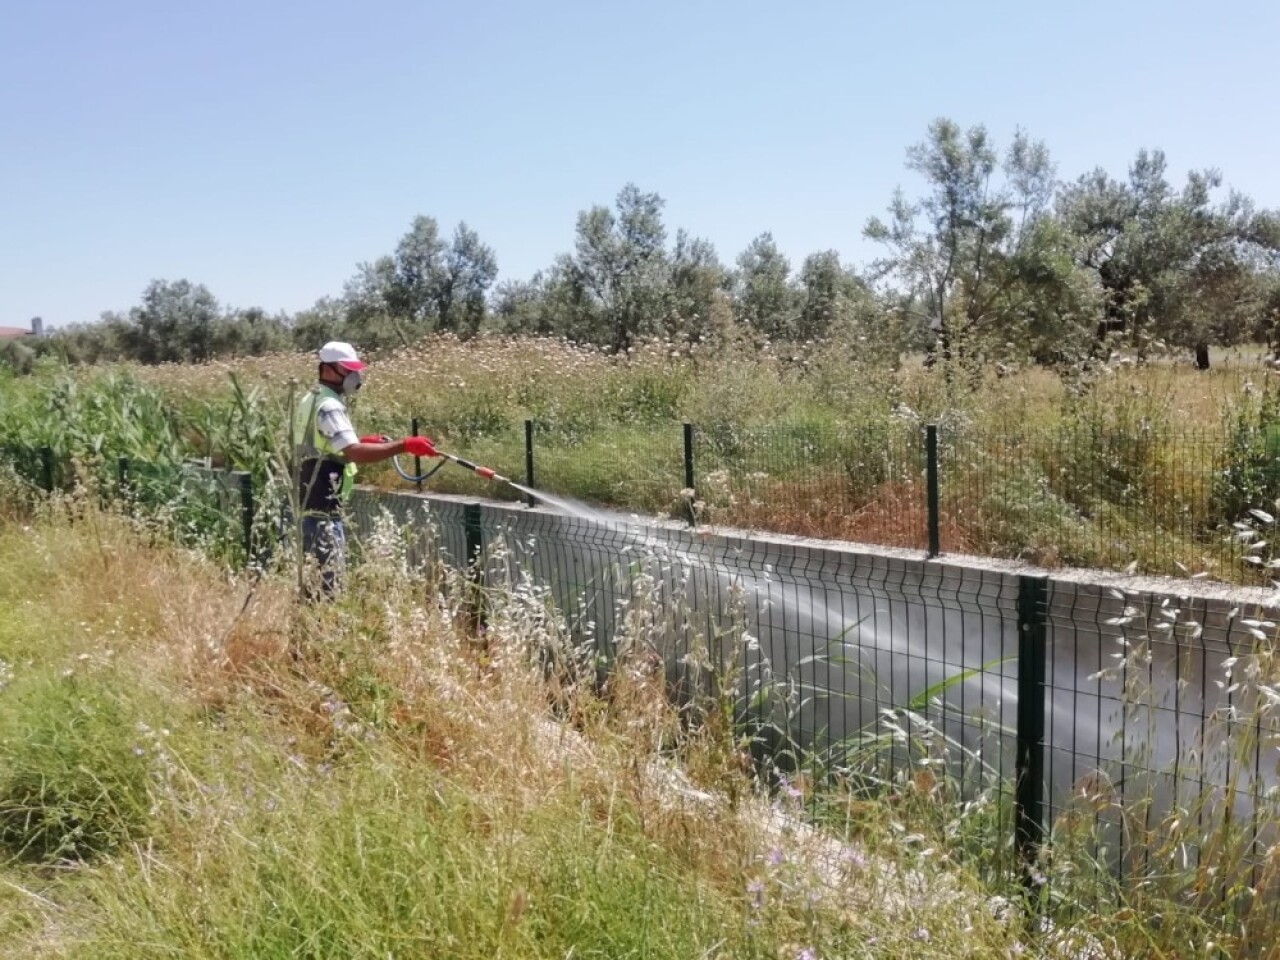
334	424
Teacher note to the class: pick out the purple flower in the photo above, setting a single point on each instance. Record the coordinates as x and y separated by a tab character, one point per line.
806	953
775	857
853	857
756	889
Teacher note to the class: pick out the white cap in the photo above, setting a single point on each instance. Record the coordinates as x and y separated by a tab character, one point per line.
343	354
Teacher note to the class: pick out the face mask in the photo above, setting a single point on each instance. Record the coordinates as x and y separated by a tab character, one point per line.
351	383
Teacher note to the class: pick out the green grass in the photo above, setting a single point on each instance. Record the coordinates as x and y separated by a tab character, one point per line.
74	776
371	779
381	858
363	781
1089	466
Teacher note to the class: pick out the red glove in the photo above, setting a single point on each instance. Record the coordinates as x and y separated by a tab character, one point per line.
419	447
375	439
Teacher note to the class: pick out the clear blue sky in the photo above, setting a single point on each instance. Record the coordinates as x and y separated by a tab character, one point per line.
265	148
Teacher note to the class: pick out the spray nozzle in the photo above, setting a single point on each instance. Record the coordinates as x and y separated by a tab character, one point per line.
475	468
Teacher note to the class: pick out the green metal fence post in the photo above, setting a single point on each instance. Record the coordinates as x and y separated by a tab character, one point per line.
122	477
246	514
46	464
473	529
931	488
1028	800
688	473
417	461
529	498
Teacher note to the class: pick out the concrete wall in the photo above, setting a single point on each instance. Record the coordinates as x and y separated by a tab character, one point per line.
1136	697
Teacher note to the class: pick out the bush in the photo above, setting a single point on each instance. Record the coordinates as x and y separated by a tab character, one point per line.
1021	516
647	395
477	413
17	357
74	780
1250	475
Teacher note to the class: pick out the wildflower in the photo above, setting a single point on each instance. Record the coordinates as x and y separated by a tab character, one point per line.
756	889
775	857
855	858
806	953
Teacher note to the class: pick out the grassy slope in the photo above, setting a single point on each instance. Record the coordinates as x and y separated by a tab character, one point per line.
366	782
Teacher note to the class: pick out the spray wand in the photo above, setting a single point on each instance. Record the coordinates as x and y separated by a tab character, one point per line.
475	468
478	470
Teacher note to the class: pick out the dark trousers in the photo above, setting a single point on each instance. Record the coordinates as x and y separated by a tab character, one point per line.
324	540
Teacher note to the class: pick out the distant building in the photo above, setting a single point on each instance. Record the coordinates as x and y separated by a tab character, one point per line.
13	333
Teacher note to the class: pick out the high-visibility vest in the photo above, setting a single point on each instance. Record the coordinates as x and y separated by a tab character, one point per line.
325	479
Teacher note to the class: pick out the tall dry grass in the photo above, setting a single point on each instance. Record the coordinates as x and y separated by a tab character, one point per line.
244	777
1112	465
372	778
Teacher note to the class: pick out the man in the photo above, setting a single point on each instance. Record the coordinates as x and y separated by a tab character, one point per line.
326	452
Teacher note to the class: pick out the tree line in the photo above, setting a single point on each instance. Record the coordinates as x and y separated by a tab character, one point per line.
996	260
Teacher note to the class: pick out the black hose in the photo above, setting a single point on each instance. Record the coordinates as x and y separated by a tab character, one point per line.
411	477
